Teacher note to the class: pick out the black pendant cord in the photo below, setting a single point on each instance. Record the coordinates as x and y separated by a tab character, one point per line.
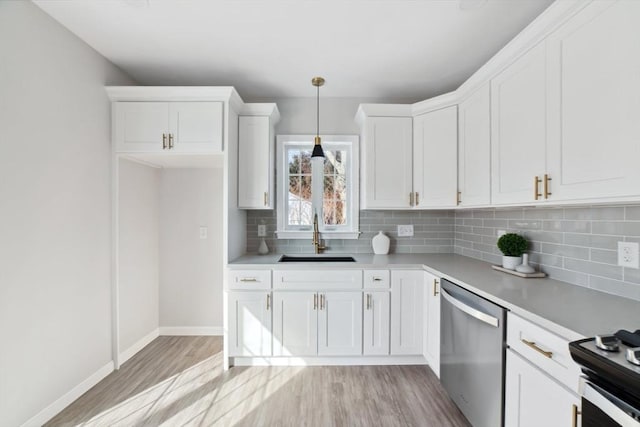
318	110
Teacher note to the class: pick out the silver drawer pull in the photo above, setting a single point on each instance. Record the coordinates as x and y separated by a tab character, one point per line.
533	345
248	279
377	279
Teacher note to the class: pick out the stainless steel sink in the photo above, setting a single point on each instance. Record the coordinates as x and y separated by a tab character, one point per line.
316	258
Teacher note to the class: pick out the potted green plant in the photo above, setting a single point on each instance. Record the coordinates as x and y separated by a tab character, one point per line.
512	246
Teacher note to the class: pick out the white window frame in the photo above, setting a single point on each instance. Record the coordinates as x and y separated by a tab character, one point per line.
352	230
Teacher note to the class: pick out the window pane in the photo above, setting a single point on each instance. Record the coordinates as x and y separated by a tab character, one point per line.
329	187
305	161
293	157
294	188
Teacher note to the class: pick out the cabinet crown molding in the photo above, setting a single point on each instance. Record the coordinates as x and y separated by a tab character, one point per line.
262	109
176	93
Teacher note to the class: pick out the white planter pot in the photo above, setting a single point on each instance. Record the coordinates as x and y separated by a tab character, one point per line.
511	262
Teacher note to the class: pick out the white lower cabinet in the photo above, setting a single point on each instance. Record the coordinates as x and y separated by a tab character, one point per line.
407	307
317	323
534	399
432	335
295	324
250	324
376	323
340	324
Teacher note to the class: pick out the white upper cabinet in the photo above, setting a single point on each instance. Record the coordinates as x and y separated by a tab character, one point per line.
408	163
519	128
141	126
256	168
594	144
180	127
386	165
474	149
435	141
196	127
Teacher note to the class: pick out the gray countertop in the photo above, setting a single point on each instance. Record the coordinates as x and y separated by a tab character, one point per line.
568	310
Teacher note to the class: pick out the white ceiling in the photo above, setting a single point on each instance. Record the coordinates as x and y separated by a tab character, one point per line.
389	49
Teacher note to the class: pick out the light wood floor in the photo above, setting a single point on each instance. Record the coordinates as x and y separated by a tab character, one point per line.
179	381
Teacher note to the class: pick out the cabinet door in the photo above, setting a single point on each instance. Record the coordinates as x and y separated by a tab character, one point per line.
140	126
519	128
432	344
386	169
532	399
474	149
594	145
196	127
407	307
435	160
255	171
340	324
295	324
376	323
249	324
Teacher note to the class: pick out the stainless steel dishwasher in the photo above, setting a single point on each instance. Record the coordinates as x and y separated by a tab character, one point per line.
472	354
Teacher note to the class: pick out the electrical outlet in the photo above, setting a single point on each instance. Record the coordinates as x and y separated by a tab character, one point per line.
203	232
501	233
628	254
262	230
405	231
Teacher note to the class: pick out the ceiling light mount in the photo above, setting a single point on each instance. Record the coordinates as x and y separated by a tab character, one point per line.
318	152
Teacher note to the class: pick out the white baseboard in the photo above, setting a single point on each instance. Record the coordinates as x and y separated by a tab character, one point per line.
52	410
328	361
142	343
192	330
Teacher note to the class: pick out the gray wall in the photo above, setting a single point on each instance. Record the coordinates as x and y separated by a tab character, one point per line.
55	214
139	221
577	245
190	267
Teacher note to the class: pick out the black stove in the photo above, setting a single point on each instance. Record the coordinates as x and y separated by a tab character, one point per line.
611	367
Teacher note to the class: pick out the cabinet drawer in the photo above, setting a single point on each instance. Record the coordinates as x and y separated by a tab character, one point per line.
249	279
317	279
376	279
544	349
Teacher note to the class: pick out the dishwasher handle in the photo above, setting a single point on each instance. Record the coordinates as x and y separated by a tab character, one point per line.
484	317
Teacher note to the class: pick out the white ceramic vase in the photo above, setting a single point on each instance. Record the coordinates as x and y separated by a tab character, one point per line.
525	267
380	243
511	262
263	249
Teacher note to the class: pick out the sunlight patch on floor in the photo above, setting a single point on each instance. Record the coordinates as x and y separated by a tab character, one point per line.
201	395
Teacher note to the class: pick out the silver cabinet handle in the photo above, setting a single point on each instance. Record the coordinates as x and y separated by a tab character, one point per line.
368	301
435	287
248	279
268	302
170	141
321	301
483	317
164	141
377	279
417	198
315	301
266	198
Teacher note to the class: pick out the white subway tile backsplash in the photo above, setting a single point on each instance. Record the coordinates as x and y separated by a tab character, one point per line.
573	244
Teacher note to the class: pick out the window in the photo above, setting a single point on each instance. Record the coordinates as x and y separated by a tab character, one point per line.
327	188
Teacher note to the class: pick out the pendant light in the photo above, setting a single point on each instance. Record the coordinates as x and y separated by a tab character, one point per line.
318	152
